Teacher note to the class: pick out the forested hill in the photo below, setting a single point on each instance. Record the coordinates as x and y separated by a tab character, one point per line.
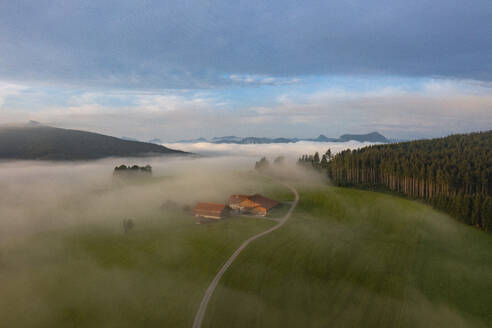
48	143
454	173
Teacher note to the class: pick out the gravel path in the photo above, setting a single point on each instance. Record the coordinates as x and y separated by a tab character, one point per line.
197	323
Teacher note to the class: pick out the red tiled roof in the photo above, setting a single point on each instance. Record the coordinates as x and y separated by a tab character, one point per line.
263	201
234	199
213	207
248	203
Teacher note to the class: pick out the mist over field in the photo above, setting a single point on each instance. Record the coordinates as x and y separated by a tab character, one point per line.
38	194
105	222
290	150
61	224
62	244
44	195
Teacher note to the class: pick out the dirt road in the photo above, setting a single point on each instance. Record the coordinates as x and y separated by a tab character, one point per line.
197	323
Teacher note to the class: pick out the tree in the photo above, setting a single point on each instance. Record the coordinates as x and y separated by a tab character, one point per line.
262	164
453	174
279	160
126	170
324	161
128	225
328	154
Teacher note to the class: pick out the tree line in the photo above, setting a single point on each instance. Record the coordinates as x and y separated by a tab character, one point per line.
454	174
263	164
132	169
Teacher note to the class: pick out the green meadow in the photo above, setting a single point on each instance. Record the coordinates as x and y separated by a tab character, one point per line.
345	258
353	258
93	276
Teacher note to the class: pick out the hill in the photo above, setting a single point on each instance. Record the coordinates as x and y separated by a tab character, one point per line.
344	259
453	174
192	140
48	143
156	141
369	137
355	258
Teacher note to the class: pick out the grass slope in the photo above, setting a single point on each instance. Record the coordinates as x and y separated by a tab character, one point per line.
98	277
90	274
346	258
352	258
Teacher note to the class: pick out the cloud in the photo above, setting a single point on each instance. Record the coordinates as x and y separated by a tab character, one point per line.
9	89
440	108
430	109
194	44
248	79
289	150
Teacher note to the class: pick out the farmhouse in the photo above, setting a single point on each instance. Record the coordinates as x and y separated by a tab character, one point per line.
263	201
235	201
254	204
210	210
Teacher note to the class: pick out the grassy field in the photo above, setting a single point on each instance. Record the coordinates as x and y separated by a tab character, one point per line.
352	258
93	275
345	258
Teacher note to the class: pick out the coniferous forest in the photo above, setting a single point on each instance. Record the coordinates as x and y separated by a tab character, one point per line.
453	174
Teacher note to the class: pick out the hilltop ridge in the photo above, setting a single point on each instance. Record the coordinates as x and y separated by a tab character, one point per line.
36	141
368	137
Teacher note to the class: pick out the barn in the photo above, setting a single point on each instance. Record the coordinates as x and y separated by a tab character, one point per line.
235	201
263	201
210	210
254	204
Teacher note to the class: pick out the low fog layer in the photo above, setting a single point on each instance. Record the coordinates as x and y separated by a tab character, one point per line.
40	195
46	196
80	197
290	150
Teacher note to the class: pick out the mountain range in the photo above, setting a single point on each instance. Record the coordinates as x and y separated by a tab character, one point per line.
369	137
36	141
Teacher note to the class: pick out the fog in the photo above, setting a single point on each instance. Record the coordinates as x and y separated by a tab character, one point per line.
47	195
39	195
290	150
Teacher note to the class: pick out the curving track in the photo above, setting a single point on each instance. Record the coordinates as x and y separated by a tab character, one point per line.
197	323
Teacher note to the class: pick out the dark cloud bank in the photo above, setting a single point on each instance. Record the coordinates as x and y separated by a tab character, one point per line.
195	44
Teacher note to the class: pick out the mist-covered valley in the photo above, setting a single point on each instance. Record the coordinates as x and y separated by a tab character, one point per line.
44	195
41	194
66	257
64	252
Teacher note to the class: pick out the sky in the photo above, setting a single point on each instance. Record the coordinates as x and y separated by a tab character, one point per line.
186	69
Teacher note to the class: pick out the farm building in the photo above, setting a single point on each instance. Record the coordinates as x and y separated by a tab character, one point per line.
210	210
258	210
254	204
235	200
263	201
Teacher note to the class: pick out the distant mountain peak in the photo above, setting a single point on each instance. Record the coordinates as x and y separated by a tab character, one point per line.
33	123
225	137
369	137
191	140
323	138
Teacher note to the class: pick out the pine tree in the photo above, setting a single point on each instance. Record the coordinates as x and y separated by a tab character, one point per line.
453	174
